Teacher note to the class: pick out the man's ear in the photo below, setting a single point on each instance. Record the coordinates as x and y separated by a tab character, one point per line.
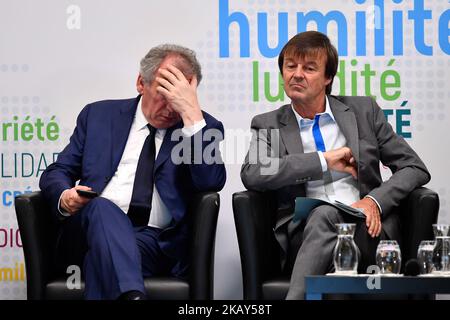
140	84
328	81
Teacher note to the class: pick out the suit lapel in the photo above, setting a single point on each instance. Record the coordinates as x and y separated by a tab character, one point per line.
290	131
120	129
346	121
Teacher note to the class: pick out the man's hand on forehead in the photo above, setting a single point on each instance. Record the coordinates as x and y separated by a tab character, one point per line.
180	93
177	68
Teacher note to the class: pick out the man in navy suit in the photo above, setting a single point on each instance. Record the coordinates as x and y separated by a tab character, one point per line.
119	249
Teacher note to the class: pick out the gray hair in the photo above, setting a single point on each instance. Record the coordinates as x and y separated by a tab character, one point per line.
153	59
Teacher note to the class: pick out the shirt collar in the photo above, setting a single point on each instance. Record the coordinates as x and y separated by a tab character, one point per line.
327	111
141	122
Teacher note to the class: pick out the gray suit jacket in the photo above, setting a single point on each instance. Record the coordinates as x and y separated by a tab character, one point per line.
276	160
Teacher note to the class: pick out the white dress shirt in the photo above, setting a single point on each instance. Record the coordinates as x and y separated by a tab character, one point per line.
342	186
120	188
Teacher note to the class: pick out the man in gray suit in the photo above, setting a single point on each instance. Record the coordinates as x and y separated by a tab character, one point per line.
327	147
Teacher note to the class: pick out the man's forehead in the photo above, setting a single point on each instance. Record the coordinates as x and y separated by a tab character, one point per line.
317	56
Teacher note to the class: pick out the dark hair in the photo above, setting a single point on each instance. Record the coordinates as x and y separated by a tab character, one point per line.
311	43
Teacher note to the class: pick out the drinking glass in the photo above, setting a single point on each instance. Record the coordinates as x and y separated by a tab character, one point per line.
388	257
425	256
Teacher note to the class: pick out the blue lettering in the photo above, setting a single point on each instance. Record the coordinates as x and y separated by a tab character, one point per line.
225	20
387	113
419	14
403	123
397	33
364	28
5	195
322	22
263	40
360	33
397	30
444	32
379	27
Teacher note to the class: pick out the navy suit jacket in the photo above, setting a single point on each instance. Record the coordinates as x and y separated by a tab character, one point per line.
94	152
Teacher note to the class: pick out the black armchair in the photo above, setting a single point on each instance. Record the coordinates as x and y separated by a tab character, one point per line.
38	232
254	215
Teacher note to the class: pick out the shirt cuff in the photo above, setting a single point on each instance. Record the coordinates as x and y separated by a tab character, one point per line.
378	205
61	210
191	130
323	162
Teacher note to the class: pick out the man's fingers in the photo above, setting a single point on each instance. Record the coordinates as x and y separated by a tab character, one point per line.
171	77
369	223
164	83
163	91
373	226
379	226
352	171
347	152
73	201
80	187
176	72
368	219
375	229
76	204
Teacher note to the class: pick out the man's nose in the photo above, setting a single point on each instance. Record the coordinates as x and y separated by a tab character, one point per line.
299	72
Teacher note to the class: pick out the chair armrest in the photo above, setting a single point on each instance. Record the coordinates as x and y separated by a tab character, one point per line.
204	209
253	216
418	213
36	229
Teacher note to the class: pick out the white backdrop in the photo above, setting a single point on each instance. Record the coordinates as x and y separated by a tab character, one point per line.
57	56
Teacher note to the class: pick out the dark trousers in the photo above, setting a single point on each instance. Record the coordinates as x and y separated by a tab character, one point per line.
115	255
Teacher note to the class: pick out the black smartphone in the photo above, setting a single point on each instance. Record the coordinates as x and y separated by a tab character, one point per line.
87	194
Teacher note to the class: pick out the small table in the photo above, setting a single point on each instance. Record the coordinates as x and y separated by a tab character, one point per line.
316	286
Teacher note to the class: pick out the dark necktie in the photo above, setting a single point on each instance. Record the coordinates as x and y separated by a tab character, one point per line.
141	199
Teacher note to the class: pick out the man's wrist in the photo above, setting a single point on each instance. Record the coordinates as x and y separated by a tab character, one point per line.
375	202
191	117
60	208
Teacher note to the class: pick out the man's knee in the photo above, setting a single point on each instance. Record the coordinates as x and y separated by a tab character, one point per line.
99	206
324	214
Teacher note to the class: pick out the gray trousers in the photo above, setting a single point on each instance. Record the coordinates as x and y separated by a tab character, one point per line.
312	243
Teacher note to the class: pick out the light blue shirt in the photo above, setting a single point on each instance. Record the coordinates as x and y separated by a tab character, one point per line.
341	186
